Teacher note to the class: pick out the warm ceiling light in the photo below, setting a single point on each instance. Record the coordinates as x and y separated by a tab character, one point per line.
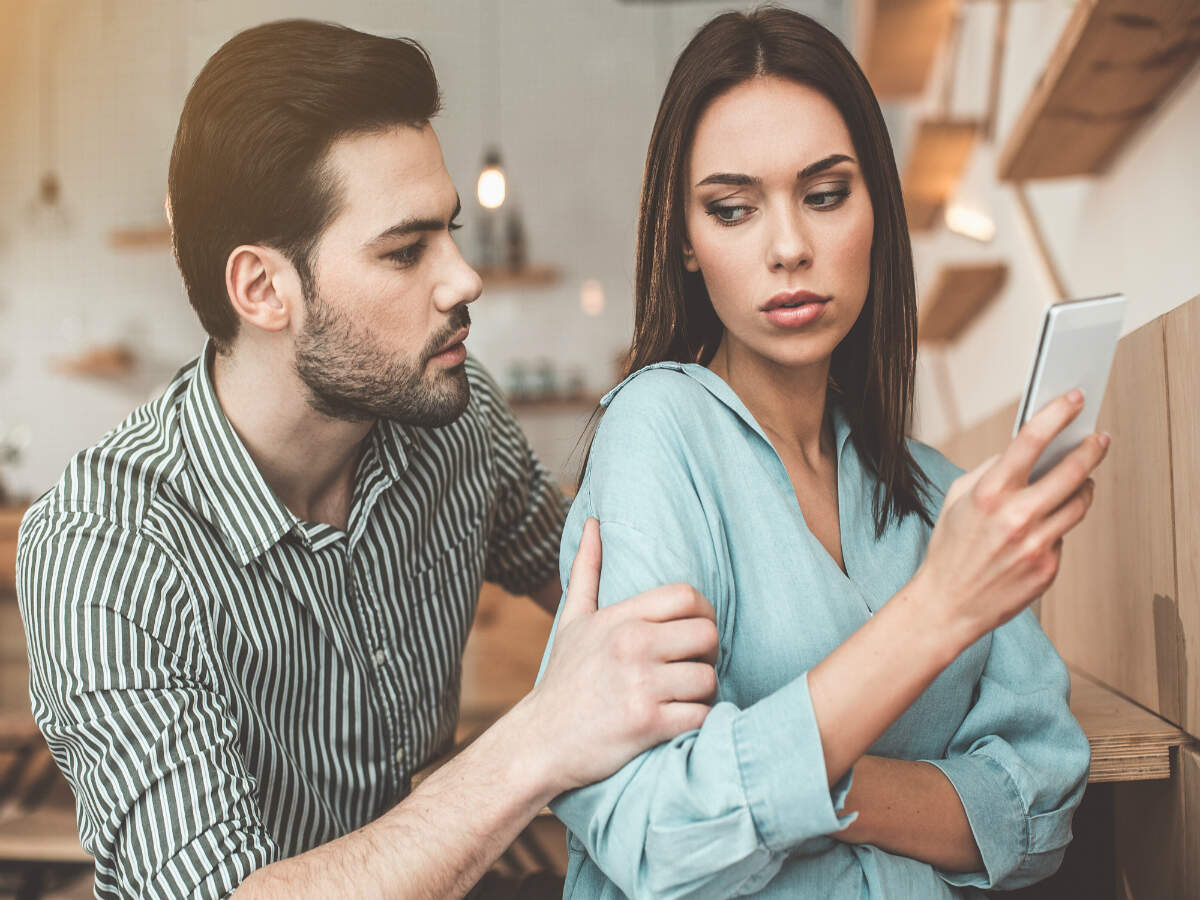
490	188
970	223
591	297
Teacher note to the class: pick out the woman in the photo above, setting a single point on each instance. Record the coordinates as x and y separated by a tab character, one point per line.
891	720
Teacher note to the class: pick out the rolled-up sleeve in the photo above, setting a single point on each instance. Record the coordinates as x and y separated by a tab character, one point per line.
164	801
1019	761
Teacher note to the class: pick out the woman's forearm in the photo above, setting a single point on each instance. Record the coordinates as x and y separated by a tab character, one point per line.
910	809
868	682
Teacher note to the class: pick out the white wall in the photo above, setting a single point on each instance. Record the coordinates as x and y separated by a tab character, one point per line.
1135	228
580	84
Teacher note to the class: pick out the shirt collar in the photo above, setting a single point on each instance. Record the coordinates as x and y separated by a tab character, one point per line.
719	388
249	514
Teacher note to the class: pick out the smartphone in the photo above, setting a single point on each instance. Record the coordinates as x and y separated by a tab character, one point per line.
1075	350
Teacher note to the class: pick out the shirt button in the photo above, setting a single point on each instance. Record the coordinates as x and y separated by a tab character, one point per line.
380	657
399	757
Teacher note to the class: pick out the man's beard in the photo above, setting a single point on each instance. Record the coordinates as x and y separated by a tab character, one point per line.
350	377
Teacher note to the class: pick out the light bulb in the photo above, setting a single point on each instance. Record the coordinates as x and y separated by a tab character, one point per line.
490	188
970	223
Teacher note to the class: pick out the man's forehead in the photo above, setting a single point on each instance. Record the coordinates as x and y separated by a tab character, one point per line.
389	174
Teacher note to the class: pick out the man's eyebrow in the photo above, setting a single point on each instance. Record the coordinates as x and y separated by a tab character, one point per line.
417	224
736	179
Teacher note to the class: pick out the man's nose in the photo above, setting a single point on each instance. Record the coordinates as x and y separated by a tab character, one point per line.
459	284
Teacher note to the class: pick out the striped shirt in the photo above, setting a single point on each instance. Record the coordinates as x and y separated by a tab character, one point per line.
225	685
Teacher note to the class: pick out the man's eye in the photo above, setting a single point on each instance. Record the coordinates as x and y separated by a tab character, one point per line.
729	215
827	199
406	256
454	225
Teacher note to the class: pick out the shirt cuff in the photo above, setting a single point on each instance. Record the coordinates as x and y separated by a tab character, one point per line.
995	813
782	764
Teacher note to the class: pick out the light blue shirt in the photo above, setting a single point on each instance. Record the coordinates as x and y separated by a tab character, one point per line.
687	487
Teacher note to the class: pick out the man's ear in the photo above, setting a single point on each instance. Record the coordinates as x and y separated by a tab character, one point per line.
689	256
263	286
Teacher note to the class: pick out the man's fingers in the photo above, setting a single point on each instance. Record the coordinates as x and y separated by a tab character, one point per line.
670	601
676	718
1017	462
678	639
687	681
584	587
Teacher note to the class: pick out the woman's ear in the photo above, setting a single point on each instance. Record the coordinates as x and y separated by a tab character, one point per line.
689	256
262	285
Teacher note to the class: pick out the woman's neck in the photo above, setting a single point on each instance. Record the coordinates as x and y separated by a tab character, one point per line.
788	402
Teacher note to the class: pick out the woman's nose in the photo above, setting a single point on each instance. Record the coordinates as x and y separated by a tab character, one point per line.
789	247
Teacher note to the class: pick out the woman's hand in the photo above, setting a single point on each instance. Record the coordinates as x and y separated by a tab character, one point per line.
998	541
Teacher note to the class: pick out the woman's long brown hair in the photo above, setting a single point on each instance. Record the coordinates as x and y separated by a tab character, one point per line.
873	368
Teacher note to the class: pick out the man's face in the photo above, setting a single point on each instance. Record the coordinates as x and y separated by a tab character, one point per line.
385	318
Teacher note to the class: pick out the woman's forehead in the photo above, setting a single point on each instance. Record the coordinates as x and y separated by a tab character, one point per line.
764	123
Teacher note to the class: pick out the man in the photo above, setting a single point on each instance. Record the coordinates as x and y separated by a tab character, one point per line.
246	606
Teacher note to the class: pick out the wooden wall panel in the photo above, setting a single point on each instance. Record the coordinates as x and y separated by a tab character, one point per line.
1111	611
1182	332
1157	834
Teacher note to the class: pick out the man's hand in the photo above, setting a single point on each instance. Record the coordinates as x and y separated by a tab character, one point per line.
622	679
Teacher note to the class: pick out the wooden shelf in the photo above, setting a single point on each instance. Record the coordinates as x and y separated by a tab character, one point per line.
10	521
502	278
1128	743
902	39
111	361
957	297
934	167
1113	65
555	404
151	237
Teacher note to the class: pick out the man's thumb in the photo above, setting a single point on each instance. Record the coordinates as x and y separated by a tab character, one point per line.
584	586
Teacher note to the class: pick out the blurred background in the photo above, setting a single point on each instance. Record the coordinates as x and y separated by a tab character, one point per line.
93	317
1048	149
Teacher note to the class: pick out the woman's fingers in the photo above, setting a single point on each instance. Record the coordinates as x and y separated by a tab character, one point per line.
1048	536
1016	464
1062	482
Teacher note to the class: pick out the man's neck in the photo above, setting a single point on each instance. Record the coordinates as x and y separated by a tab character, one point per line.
307	459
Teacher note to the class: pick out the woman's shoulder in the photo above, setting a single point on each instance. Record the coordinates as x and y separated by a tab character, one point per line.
657	388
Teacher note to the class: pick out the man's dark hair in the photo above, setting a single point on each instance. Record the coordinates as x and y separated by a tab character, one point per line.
248	166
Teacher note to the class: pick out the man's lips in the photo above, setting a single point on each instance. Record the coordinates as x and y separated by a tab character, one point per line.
454	343
792	299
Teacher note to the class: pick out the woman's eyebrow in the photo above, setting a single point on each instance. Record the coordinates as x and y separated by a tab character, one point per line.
736	179
822	164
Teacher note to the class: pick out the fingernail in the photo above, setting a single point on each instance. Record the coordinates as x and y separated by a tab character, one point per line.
1076	396
1105	439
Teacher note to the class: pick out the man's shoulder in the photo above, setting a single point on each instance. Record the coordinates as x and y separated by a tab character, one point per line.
122	475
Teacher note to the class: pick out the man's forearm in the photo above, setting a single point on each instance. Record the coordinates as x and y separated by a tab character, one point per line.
439	841
910	809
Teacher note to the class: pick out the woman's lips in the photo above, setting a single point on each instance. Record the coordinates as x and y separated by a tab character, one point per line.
795	316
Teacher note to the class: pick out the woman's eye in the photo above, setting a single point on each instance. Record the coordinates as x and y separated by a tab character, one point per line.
827	199
406	256
729	215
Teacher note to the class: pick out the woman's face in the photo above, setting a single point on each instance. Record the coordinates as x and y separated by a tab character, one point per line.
778	222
